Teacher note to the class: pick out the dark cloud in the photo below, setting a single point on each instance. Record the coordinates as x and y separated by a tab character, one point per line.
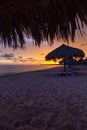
20	57
23	60
42	54
17	59
7	56
14	59
84	44
31	59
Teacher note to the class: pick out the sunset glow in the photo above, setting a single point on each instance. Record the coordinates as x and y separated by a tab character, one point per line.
36	55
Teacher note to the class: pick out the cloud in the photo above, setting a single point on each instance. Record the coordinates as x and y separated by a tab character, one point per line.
7	56
21	59
28	40
31	59
42	54
14	59
17	59
84	44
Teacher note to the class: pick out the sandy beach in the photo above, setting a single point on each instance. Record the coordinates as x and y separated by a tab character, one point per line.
41	101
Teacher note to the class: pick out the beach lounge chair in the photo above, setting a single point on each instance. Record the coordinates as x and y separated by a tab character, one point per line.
62	73
69	72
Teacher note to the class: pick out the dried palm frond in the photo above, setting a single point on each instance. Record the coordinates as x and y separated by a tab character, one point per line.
41	20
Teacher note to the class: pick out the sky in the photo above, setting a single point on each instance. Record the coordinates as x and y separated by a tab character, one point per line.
36	55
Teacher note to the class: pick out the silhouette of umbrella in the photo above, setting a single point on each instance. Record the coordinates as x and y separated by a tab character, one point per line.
64	52
41	20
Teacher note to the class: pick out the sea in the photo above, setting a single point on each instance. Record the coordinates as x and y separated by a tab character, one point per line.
12	69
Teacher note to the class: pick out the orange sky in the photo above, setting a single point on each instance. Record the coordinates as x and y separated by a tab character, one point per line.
36	55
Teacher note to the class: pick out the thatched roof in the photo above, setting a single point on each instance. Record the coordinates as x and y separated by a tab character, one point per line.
64	51
41	19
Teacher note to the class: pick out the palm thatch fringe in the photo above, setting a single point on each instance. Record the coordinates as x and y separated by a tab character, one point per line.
41	20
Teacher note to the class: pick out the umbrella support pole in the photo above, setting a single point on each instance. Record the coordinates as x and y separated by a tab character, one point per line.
64	65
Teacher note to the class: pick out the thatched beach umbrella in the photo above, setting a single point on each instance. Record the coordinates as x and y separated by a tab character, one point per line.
64	52
40	19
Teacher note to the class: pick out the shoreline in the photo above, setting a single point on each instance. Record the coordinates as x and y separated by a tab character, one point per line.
24	68
41	70
53	69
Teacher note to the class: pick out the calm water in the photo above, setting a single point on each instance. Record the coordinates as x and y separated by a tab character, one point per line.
11	69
